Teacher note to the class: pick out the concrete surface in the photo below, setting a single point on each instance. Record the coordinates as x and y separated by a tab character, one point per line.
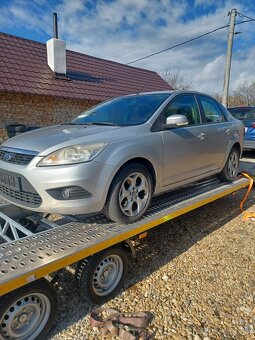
247	163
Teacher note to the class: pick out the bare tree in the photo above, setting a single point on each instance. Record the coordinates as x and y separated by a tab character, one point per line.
245	92
217	96
242	95
232	100
177	79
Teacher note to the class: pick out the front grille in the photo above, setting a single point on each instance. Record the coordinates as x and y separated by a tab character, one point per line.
16	157
27	198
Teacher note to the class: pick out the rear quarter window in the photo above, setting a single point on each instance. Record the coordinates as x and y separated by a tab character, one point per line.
212	111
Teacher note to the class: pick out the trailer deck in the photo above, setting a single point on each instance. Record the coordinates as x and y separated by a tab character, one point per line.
34	255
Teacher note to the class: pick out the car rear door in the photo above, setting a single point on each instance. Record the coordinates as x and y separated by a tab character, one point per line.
219	131
185	149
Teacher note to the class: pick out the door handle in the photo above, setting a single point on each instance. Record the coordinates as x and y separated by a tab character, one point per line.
228	131
202	136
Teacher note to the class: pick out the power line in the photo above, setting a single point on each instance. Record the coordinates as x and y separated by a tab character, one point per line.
177	45
190	40
245	16
244	21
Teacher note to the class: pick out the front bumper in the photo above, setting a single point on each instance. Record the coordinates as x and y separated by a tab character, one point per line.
94	177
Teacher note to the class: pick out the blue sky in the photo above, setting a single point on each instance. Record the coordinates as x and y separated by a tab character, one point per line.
124	30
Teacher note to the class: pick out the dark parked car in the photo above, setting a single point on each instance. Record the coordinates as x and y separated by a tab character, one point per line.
247	115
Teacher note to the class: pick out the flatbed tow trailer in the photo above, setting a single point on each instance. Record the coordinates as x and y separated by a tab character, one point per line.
33	246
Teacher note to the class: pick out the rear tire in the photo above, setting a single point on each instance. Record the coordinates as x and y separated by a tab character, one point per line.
230	170
28	312
101	276
129	195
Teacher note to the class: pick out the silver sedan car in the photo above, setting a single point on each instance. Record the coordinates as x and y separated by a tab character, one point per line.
115	156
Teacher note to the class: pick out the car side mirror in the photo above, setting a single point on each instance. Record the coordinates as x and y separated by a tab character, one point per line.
175	121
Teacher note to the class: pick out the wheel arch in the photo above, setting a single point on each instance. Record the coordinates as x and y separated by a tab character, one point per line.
236	144
143	161
238	147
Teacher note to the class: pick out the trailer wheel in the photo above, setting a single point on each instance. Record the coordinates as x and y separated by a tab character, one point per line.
101	276
28	312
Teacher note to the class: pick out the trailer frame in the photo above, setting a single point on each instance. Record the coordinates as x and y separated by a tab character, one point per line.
27	257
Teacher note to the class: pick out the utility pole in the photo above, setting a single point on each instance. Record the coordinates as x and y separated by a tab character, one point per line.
229	57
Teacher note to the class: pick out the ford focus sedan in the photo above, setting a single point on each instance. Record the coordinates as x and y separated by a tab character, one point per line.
115	156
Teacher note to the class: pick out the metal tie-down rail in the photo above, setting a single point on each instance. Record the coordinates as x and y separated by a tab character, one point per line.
17	223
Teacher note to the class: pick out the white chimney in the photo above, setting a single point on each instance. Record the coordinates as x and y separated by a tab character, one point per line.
56	51
56	55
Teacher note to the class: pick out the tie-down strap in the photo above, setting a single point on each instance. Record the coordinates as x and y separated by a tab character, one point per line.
129	326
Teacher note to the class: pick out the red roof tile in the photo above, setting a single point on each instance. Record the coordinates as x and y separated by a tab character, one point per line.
24	68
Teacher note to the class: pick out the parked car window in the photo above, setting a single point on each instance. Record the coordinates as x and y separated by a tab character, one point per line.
243	113
123	111
184	105
212	112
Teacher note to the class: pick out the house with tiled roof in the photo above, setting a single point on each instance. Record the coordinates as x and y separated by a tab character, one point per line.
33	93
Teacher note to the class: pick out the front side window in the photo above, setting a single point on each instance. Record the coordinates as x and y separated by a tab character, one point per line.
211	110
123	111
184	105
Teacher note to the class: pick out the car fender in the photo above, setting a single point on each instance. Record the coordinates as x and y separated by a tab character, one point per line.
117	154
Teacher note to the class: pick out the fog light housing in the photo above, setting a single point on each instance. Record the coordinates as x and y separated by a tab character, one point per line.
69	193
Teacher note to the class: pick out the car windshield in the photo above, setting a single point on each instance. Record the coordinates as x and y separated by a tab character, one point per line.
123	111
243	113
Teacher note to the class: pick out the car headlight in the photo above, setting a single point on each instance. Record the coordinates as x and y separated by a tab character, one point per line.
72	154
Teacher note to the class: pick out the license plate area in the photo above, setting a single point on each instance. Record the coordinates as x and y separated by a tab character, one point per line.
12	182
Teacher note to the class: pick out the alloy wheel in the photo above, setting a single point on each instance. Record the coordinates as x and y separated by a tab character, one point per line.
133	194
233	164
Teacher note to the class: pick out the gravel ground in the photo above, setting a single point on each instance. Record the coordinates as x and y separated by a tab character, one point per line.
195	274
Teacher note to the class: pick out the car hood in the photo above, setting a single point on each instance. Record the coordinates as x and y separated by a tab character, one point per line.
49	139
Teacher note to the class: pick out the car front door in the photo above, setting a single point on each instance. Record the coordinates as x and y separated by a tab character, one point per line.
219	130
185	148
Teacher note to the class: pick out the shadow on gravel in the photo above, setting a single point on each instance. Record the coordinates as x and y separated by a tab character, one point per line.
163	244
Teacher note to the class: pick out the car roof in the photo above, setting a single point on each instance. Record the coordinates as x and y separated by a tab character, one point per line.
170	92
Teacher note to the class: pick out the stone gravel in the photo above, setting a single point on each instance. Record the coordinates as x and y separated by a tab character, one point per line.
195	274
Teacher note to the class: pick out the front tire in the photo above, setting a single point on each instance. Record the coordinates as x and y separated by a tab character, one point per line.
129	195
230	170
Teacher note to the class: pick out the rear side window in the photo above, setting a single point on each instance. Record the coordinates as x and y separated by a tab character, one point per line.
184	105
211	110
